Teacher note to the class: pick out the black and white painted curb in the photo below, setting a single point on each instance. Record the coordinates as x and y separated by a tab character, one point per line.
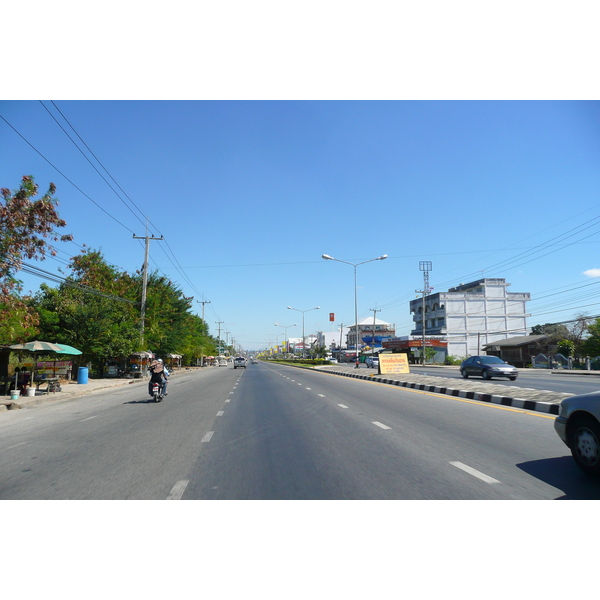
552	408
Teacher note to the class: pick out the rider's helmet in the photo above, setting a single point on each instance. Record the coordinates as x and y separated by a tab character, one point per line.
160	360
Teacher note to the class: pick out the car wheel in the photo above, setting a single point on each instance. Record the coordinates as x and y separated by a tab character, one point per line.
512	378
485	374
464	374
584	441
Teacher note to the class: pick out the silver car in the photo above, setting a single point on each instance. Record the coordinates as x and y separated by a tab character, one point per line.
578	426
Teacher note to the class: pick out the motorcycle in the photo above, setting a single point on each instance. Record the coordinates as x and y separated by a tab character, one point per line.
157	392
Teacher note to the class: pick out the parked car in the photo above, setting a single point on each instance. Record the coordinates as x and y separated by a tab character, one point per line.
578	426
372	362
487	367
239	361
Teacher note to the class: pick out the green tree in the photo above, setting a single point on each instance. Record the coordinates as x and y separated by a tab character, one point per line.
591	346
26	225
93	310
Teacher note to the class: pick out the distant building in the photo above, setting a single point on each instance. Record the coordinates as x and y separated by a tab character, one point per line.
471	316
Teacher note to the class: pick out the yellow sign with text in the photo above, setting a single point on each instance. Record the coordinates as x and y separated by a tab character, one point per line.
393	363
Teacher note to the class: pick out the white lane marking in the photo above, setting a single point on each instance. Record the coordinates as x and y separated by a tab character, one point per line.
178	489
228	400
342	405
321	395
474	472
380	425
207	436
308	388
220	413
230	393
299	384
88	419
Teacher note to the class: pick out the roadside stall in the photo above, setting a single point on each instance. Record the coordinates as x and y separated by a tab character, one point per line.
138	364
173	361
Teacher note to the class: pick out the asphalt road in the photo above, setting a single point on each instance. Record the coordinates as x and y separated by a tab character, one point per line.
276	432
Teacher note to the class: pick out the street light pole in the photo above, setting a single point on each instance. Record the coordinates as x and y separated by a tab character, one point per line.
303	311
285	327
327	257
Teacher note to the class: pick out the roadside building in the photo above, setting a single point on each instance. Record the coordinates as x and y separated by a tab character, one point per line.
520	351
472	315
371	332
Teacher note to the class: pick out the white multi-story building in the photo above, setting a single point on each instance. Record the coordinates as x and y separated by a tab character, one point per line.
472	315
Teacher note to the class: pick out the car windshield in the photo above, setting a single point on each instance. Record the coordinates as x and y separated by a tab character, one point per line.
491	360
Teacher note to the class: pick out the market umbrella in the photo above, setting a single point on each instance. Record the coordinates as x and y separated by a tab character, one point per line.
37	346
66	349
40	347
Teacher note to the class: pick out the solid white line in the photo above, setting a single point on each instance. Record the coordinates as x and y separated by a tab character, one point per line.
380	425
474	472
342	405
220	413
82	420
207	436
178	490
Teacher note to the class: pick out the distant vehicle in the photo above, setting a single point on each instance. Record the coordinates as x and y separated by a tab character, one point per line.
253	360
239	361
578	426
372	362
222	361
487	367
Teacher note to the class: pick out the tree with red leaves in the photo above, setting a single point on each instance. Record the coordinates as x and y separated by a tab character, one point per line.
26	226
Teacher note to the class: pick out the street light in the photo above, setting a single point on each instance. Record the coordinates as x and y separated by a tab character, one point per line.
286	328
327	257
303	311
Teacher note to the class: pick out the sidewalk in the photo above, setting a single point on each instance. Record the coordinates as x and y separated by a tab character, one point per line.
75	390
69	390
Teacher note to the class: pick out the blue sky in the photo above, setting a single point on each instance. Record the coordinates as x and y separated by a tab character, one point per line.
250	194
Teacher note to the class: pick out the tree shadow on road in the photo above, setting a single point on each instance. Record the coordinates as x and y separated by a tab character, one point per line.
563	474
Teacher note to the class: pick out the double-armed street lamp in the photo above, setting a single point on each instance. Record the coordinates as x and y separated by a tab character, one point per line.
327	257
286	327
303	311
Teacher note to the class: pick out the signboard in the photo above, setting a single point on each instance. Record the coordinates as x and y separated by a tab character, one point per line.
393	363
332	316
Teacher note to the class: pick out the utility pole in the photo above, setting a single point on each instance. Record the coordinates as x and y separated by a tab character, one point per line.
219	336
203	302
375	311
424	266
145	274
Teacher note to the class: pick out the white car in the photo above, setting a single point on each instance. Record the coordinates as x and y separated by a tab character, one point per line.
240	361
578	426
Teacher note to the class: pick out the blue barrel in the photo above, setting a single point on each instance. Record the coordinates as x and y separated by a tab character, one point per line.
82	375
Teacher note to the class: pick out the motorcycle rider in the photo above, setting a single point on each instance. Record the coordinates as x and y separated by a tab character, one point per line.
159	374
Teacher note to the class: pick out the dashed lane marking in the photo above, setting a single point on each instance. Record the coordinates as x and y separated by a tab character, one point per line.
177	491
228	400
88	419
207	436
342	405
321	395
474	472
380	425
220	413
